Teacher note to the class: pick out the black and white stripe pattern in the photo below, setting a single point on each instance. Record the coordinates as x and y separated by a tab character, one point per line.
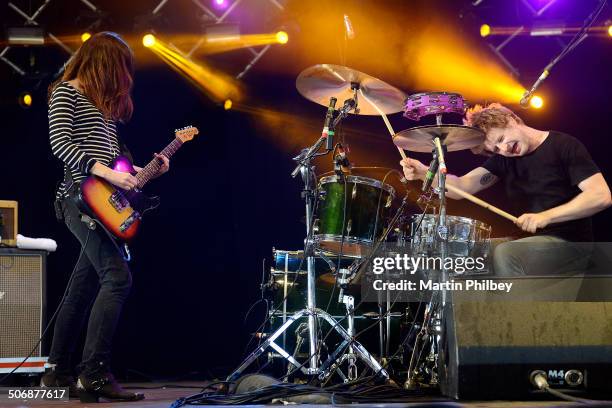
79	134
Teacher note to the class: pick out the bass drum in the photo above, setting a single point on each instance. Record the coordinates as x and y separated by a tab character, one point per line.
351	214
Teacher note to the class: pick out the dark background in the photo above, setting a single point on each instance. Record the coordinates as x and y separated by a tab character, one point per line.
228	198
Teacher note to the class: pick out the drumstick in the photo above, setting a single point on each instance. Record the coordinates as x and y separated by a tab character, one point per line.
386	120
481	203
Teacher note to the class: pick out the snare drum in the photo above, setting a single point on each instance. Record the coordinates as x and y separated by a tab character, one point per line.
466	237
362	204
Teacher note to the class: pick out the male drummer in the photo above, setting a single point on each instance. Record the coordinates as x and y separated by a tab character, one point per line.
551	179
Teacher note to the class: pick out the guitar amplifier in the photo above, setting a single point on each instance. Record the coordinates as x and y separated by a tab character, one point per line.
8	222
22	308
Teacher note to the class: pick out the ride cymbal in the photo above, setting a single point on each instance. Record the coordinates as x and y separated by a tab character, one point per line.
320	82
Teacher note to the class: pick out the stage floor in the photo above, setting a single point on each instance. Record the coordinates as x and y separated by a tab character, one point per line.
162	395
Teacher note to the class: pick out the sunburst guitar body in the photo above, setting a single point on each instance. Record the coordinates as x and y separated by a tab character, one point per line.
121	211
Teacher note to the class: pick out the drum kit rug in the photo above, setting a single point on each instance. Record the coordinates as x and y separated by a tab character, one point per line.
348	216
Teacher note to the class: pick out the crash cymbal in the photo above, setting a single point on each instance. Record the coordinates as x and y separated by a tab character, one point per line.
454	137
320	82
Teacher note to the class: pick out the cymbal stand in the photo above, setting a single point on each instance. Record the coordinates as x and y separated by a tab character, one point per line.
306	169
430	332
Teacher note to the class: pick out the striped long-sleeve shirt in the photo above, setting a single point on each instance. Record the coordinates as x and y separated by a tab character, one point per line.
79	134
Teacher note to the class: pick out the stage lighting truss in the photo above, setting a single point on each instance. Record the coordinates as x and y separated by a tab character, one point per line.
498	49
33	20
220	19
534	31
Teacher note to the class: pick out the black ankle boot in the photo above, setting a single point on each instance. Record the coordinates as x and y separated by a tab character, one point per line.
92	388
52	379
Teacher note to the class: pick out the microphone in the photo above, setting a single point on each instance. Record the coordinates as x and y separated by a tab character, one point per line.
329	136
524	102
431	174
349	105
350	33
341	161
440	155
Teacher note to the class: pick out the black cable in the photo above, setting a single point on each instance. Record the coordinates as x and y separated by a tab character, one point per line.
340	252
343	393
6	376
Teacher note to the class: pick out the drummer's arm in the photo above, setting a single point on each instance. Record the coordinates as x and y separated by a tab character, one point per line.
472	182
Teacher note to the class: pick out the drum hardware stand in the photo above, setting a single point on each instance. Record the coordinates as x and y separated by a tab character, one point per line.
432	323
306	169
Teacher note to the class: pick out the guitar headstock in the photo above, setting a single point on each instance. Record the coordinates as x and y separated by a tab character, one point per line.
186	134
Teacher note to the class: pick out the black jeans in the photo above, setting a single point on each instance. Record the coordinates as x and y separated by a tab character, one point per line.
101	277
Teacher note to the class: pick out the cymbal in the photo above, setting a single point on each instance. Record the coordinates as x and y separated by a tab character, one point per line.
454	137
320	82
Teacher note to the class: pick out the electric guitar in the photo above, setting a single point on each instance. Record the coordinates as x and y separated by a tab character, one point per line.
120	211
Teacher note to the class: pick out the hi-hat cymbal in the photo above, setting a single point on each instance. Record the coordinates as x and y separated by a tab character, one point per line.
454	137
320	82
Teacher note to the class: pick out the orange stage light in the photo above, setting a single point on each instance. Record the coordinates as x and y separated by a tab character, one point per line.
536	102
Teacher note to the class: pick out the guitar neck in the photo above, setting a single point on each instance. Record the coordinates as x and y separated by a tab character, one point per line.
152	168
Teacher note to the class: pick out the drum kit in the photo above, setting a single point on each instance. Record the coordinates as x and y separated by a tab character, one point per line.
348	216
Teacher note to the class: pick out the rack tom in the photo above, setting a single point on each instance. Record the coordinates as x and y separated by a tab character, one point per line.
351	214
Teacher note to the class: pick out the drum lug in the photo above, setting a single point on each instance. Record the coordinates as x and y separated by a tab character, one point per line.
349	227
443	232
354	192
322	194
389	200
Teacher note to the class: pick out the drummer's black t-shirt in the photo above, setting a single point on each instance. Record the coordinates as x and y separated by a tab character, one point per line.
546	178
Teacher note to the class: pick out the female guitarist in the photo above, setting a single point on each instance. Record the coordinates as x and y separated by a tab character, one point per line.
84	106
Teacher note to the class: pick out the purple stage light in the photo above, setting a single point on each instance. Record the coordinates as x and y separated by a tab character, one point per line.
220	4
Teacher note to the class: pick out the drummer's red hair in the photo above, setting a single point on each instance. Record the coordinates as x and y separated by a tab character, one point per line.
494	115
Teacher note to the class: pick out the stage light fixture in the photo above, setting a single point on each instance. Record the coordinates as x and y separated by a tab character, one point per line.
485	30
222	33
85	36
216	84
227	105
148	40
220	3
25	100
610	30
536	102
282	37
25	36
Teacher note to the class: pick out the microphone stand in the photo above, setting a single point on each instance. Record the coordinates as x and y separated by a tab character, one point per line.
306	169
431	330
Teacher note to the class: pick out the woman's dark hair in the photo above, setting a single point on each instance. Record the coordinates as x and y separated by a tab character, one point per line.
104	66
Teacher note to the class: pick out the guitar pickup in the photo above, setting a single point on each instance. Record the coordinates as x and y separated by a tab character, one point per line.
125	225
118	201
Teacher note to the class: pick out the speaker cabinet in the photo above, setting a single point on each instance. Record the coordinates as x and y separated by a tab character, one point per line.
490	348
22	308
